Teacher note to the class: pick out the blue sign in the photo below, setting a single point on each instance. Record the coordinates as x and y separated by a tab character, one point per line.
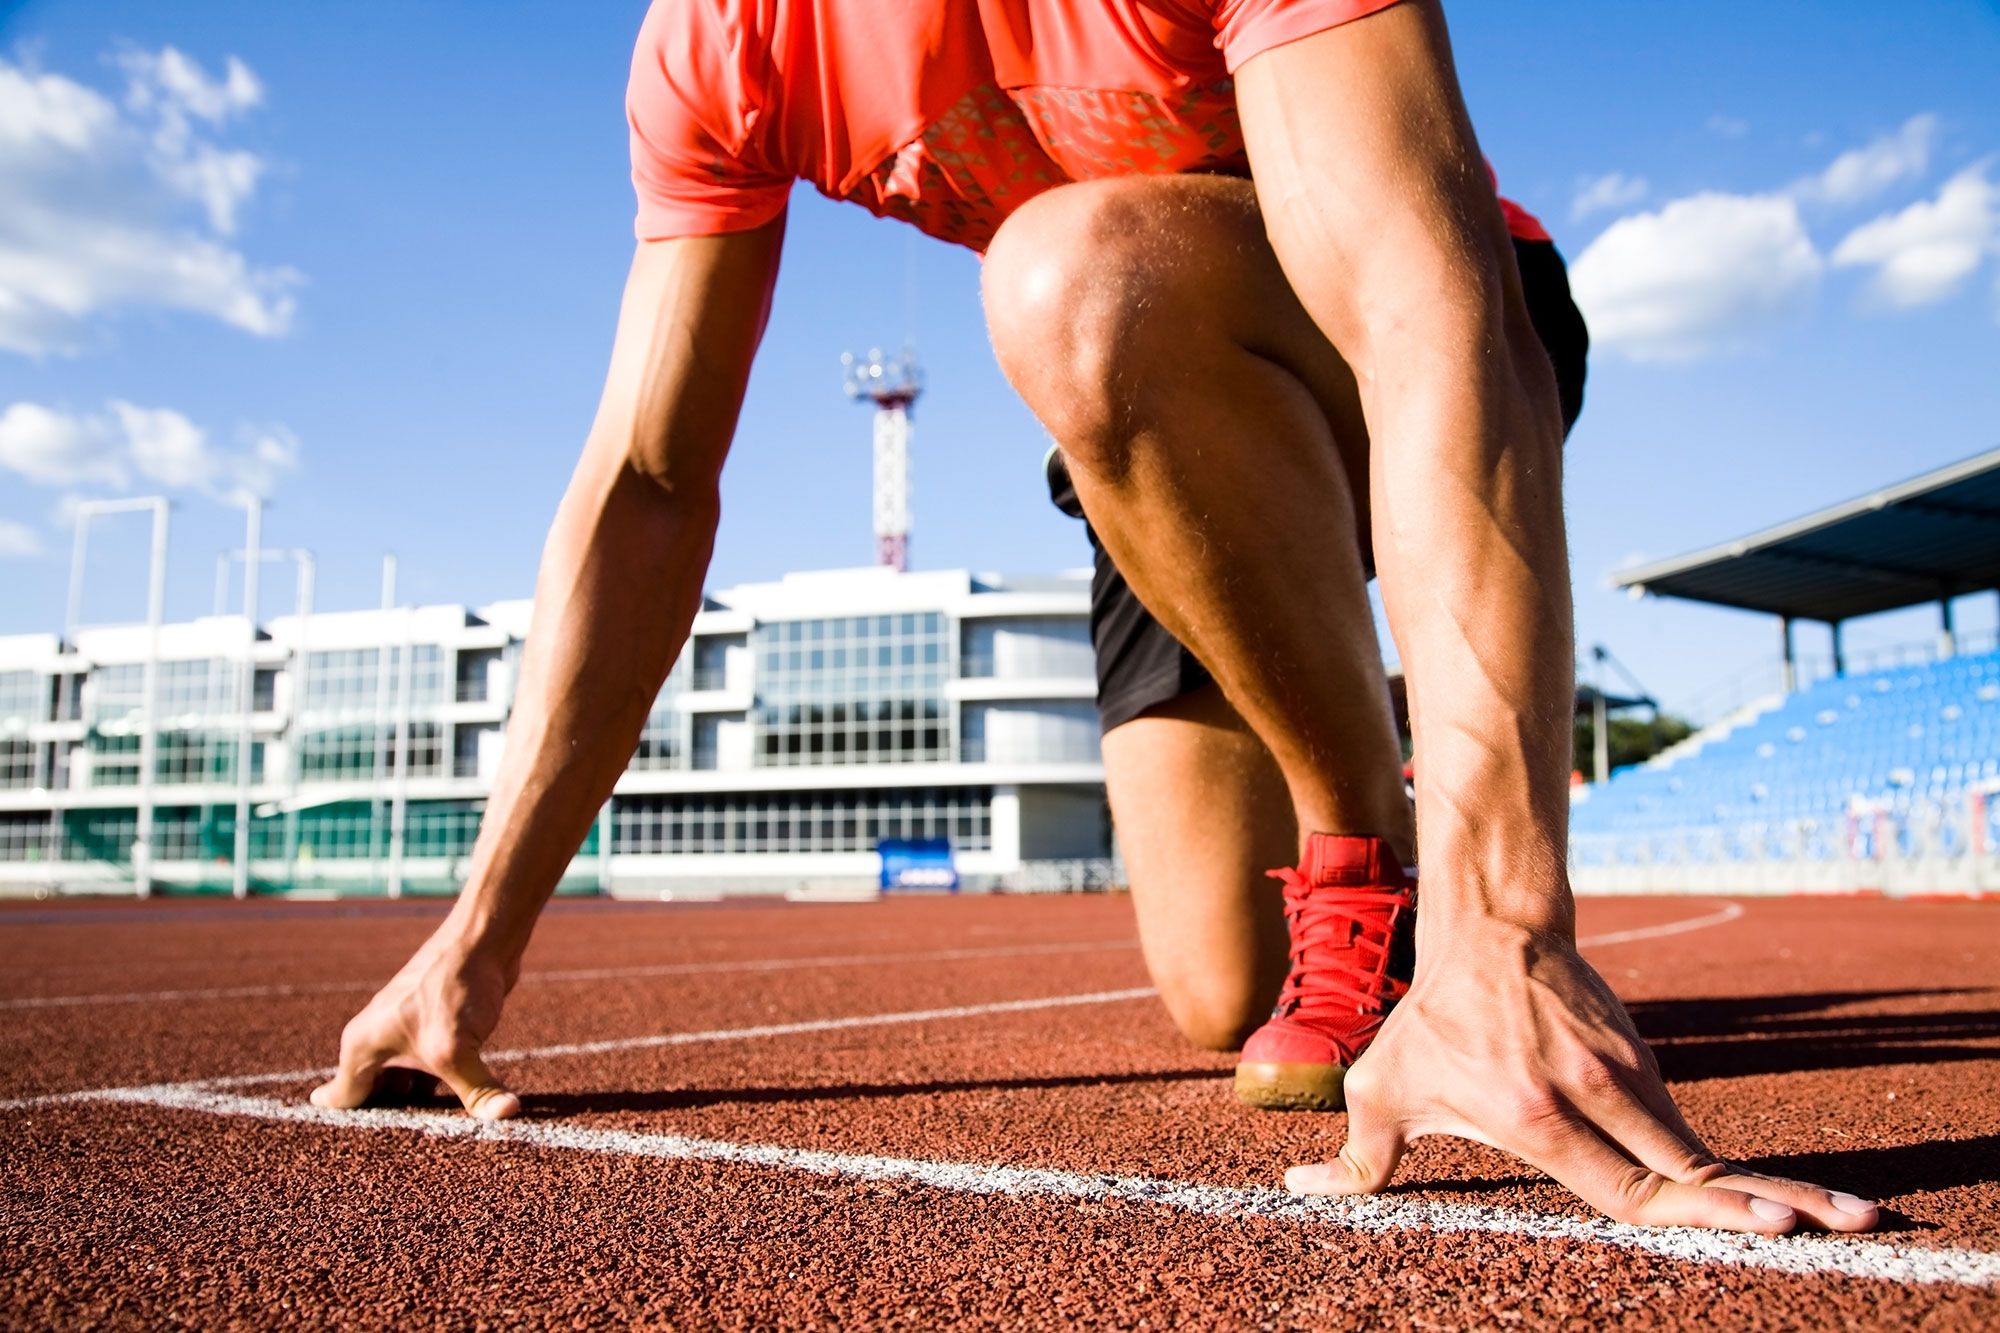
917	863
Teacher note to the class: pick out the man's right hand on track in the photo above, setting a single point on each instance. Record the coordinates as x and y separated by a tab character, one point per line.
432	1018
1511	1039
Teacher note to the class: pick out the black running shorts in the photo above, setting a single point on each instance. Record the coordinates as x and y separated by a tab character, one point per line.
1139	664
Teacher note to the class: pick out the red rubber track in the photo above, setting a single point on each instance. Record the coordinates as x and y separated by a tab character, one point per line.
1851	1042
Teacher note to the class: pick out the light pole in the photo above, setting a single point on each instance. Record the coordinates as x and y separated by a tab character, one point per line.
246	684
301	676
156	605
376	736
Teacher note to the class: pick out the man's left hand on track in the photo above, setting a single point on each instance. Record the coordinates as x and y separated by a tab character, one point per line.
1516	1042
433	1017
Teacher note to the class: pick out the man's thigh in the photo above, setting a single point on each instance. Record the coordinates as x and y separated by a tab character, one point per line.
1140	277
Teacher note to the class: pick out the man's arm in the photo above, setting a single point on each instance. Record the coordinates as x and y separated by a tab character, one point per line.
619	587
1380	210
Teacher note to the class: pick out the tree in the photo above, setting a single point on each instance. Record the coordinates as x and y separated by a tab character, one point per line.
1633	740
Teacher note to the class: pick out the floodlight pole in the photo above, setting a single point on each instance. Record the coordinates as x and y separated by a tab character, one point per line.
893	385
301	678
1600	736
156	608
246	684
399	801
301	681
381	714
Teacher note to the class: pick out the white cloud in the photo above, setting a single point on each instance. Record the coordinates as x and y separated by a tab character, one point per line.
1613	190
1729	127
127	444
18	541
110	208
1698	275
57	449
169	81
1862	173
1923	254
170	88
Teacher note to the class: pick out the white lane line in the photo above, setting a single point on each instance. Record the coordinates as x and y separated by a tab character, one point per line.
643	1043
1811	1256
578	974
1729	912
824	1025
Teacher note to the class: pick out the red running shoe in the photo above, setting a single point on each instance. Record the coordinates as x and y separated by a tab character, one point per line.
1351	908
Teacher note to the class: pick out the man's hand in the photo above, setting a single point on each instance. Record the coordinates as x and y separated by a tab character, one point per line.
619	587
1511	1039
432	1018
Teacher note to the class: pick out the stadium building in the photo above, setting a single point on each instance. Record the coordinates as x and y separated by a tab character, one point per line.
807	721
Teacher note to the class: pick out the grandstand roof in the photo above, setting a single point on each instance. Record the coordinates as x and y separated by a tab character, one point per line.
1931	537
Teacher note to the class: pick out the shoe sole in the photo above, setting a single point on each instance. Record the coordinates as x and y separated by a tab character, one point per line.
1273	1086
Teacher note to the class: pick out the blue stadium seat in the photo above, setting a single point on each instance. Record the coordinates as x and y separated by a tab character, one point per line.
1882	740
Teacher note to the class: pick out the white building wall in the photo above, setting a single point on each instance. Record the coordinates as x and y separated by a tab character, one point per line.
1033	707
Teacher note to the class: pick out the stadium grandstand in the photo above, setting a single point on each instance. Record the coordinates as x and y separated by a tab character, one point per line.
1881	779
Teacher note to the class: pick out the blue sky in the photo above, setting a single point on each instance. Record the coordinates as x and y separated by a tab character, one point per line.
365	257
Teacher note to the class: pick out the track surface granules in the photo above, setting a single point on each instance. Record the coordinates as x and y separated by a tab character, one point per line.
935	1112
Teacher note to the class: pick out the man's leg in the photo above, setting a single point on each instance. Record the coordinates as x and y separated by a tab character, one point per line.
1216	439
1202	813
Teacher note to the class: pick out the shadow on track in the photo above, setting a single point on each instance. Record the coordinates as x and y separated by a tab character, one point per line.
677	1099
1783	1034
1886	1173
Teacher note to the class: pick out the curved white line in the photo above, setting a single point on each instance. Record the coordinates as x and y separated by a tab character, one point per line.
1729	912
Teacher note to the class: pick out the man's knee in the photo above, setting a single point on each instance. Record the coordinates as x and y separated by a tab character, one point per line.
1211	1013
1089	286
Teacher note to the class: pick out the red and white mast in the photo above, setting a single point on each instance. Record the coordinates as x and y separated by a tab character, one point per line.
893	385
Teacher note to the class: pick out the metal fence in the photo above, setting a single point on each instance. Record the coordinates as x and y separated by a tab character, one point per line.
1920	844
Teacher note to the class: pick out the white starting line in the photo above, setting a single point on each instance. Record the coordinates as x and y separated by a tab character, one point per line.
1810	1256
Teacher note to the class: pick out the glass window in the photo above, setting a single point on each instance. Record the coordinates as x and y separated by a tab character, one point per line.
800	822
821	705
24	698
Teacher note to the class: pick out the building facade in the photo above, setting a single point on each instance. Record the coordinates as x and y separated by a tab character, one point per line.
805	721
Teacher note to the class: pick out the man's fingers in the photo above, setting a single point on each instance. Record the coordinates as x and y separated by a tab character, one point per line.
1832	1209
1367	1161
482	1094
1650	1130
1647	1129
351	1084
1567	1148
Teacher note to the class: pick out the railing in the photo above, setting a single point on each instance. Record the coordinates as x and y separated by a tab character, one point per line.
709	678
1725	696
1948	843
1099	874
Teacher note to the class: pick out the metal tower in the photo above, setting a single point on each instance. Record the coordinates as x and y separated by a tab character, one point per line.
892	384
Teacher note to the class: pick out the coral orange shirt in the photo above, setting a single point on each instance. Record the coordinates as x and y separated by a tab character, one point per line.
948	114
